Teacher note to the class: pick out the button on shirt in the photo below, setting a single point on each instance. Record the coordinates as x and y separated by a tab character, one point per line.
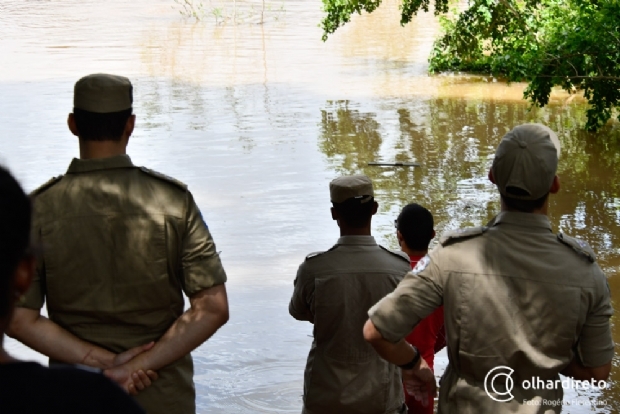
334	290
513	296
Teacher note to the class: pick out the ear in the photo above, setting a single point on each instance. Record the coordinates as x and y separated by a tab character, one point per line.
555	186
334	213
375	207
399	236
129	126
433	234
23	275
491	178
72	125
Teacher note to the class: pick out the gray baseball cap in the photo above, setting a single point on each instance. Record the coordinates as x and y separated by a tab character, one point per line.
527	159
353	186
103	93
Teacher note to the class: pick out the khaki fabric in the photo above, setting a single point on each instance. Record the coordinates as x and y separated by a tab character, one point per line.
102	93
121	245
344	188
334	290
526	159
515	295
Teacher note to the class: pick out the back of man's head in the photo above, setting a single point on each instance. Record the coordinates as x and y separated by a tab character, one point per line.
525	166
353	198
102	104
15	211
416	226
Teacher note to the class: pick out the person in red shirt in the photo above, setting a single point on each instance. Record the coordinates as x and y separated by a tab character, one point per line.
414	230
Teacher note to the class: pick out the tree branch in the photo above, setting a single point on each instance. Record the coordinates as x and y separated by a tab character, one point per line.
509	6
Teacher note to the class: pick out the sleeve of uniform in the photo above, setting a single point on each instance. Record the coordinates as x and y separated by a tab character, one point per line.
419	293
595	345
200	261
34	298
299	307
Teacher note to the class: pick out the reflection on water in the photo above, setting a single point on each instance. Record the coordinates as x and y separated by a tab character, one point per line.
257	119
454	140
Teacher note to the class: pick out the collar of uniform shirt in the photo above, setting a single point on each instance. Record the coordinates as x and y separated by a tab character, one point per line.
118	161
523	219
359	240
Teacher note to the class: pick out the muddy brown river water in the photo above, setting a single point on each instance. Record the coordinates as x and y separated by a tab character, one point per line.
258	118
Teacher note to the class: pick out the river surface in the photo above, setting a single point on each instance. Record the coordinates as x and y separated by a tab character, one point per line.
258	118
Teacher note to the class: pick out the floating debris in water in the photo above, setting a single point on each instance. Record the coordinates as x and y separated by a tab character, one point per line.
395	164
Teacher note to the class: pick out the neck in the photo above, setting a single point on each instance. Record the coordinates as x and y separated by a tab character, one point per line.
543	210
102	149
411	252
354	231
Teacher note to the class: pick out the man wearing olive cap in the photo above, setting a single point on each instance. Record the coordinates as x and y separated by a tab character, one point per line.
121	246
521	303
334	290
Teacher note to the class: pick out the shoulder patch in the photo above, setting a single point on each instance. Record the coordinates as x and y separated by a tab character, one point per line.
399	254
454	235
316	254
47	185
579	246
421	265
164	177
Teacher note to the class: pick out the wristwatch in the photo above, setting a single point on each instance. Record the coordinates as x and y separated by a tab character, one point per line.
412	364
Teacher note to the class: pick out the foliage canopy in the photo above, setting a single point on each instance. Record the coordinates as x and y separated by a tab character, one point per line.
574	44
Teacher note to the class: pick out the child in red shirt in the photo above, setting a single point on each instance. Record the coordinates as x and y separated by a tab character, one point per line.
414	230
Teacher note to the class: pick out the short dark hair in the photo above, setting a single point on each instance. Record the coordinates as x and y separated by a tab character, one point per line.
415	223
354	213
15	212
524	206
93	126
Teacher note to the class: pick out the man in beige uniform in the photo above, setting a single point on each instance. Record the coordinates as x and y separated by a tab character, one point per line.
122	244
334	290
515	295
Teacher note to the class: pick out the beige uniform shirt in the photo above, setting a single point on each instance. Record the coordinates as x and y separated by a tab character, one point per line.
514	295
334	290
121	245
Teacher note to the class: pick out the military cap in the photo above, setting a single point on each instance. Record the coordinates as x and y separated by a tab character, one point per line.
357	186
102	93
527	159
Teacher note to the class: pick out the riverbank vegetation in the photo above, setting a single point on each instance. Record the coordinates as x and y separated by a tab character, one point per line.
573	44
